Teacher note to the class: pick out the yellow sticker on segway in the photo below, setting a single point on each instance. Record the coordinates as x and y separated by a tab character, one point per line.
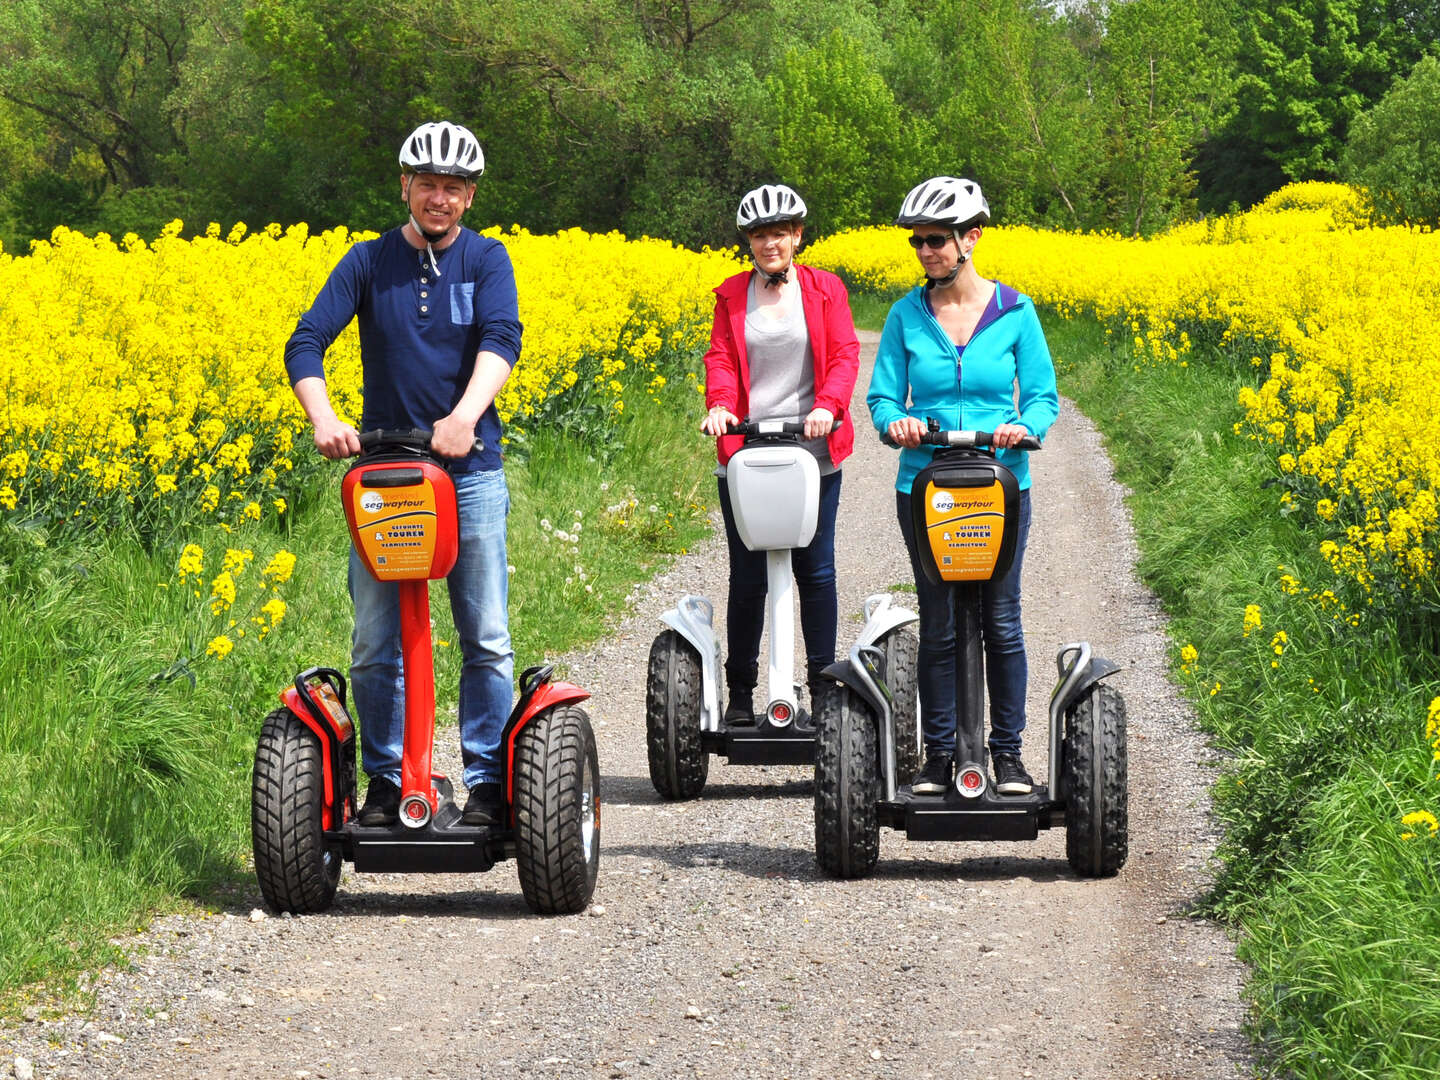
965	527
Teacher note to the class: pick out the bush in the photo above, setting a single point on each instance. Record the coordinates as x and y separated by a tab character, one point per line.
1394	149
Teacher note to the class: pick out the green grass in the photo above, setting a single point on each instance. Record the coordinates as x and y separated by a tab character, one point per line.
128	792
869	311
1334	908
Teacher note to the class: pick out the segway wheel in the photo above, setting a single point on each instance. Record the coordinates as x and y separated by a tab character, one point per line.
847	786
1094	767
287	794
679	764
557	811
902	667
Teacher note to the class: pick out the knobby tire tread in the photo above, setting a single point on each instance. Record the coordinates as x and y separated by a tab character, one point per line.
679	764
847	786
902	676
287	837
553	756
1096	768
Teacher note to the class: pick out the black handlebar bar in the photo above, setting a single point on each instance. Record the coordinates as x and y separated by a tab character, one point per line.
402	438
773	427
968	440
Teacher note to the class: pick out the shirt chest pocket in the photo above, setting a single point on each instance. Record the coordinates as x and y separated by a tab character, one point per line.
462	303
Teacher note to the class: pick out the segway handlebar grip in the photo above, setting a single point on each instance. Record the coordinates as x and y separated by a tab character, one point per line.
973	440
411	438
774	427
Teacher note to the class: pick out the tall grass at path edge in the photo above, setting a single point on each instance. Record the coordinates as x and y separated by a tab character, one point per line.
1321	724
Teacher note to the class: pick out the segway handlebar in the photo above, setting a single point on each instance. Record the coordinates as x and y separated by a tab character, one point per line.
970	440
402	438
773	427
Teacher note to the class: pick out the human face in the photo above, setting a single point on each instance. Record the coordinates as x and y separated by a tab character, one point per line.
937	261
773	246
437	202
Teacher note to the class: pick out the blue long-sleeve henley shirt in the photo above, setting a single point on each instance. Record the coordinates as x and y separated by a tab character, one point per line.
419	331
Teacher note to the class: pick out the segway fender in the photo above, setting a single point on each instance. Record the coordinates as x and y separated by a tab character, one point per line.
693	619
881	617
537	695
1076	681
317	698
1079	671
843	671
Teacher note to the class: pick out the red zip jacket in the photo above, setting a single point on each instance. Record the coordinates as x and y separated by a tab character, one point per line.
832	341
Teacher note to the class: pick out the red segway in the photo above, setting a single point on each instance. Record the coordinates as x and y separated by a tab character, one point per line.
400	504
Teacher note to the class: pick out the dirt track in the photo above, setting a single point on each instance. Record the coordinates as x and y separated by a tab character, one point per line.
715	947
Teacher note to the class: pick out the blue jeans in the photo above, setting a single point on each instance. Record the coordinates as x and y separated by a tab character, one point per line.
479	600
1006	672
814	568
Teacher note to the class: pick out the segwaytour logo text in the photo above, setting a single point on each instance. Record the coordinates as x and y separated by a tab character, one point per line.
372	502
942	502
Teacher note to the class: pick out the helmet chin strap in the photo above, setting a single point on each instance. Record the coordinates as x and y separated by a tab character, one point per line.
430	239
949	279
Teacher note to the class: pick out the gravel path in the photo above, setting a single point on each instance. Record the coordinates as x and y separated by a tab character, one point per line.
715	948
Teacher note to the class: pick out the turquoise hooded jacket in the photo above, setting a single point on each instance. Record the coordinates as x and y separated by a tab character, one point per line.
964	388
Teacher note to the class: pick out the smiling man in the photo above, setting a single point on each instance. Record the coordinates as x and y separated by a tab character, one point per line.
439	334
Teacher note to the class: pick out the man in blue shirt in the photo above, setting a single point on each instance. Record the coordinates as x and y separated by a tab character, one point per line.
439	334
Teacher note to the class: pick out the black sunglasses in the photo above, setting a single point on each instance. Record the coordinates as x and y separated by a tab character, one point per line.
934	241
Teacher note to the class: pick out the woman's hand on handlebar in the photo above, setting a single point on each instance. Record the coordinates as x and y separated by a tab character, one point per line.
718	421
819	423
336	440
906	431
1007	435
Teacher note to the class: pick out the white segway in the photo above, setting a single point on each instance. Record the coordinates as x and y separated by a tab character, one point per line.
774	485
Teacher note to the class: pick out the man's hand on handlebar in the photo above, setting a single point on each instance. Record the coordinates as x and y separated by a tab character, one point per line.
336	440
452	437
718	421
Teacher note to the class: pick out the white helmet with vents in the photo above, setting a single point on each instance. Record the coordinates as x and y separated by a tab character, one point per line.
769	204
443	148
944	200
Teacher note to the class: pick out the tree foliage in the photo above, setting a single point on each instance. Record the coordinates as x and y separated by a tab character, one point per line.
653	116
1394	148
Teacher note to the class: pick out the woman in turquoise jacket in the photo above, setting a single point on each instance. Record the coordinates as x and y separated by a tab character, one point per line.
955	350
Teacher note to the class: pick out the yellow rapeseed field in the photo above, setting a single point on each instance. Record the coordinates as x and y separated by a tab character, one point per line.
1338	319
145	383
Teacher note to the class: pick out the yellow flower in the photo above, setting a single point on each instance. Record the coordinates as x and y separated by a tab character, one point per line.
222	593
1252	620
278	570
192	562
219	647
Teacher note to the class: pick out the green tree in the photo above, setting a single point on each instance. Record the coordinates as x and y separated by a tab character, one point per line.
830	127
1157	85
1306	69
1394	148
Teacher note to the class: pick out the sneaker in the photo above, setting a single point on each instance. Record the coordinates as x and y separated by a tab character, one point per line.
934	778
1010	775
382	803
485	806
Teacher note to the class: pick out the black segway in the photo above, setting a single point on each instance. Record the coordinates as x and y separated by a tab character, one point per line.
964	504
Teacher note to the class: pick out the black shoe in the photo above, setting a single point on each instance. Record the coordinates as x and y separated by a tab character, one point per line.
485	806
1010	775
382	803
934	778
741	709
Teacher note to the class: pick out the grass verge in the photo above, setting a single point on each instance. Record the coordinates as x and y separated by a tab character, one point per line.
1322	717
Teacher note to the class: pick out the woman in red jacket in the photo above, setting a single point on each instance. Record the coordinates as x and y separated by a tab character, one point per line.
783	347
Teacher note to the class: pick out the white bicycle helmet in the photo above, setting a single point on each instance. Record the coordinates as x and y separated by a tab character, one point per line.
944	200
443	148
769	204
